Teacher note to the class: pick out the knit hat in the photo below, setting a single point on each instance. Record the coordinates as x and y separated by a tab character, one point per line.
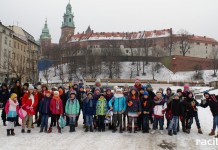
108	89
98	81
169	89
26	84
89	93
126	86
186	87
118	90
47	92
101	94
97	89
13	95
179	90
81	87
39	87
73	92
30	87
87	87
206	92
137	80
148	85
146	93
176	94
56	93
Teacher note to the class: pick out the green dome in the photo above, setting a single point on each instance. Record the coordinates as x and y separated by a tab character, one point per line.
45	32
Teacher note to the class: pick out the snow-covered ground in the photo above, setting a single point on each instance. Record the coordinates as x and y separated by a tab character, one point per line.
163	75
108	140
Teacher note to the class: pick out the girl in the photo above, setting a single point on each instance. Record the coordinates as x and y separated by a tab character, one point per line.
29	103
56	109
11	109
72	109
133	109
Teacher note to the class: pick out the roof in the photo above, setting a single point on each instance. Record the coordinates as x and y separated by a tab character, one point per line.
120	35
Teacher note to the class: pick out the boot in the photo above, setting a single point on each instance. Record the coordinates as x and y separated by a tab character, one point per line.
45	131
114	129
8	132
91	130
174	132
23	131
130	130
84	126
59	130
4	123
73	128
200	131
12	132
170	133
212	132
28	131
121	131
216	135
183	130
188	131
41	130
87	129
50	130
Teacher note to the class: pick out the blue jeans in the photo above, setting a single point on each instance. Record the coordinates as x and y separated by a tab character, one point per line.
174	123
89	120
160	121
72	121
215	122
44	122
190	122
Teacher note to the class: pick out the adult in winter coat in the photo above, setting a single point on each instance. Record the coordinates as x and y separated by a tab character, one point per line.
212	102
89	108
118	105
96	96
81	97
18	90
56	108
175	107
183	113
138	85
101	110
97	85
168	99
11	109
29	103
159	108
44	111
72	109
146	109
125	94
192	112
4	96
149	89
133	109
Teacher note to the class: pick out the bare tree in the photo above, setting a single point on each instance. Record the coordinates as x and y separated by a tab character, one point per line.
214	61
184	41
198	73
46	73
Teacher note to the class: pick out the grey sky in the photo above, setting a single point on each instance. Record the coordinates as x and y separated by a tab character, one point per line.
199	17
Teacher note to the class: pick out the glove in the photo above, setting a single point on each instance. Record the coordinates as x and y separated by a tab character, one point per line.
129	103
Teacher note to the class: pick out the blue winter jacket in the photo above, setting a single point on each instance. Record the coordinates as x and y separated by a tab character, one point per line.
44	106
118	103
89	106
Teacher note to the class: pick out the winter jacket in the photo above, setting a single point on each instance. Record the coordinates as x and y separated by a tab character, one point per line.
133	105
101	107
109	97
27	103
191	110
4	96
11	109
72	107
56	107
212	102
159	107
89	107
44	106
138	87
118	102
81	97
175	107
146	105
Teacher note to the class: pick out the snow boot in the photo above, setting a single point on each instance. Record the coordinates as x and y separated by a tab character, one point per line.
73	128
188	131
4	123
12	132
212	132
8	132
59	130
50	130
87	129
200	131
91	130
46	130
28	131
183	130
23	131
41	130
130	130
170	133
114	129
174	132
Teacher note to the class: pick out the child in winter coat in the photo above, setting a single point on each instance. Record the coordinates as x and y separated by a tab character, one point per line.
96	96
89	108
29	103
133	109
159	108
72	109
192	112
175	106
56	108
4	96
101	110
11	110
118	105
44	111
146	109
212	102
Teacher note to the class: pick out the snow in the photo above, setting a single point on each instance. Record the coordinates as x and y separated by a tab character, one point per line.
108	140
163	75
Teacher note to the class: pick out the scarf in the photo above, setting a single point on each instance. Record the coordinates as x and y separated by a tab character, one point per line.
57	99
118	95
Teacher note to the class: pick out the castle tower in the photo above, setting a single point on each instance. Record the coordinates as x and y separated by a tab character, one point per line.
45	39
68	27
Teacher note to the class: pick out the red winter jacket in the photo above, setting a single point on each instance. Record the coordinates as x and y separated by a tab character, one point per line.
27	103
56	107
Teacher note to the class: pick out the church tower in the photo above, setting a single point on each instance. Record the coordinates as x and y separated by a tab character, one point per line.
68	27
45	39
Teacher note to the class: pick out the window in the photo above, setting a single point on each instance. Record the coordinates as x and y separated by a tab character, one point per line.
14	44
198	43
127	51
70	20
180	52
6	40
21	47
213	45
206	44
18	46
189	52
10	43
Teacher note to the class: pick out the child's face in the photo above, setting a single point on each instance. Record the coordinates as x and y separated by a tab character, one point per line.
97	92
72	96
108	92
206	96
133	92
81	89
176	97
145	96
90	96
190	95
101	97
180	94
44	88
31	91
48	94
142	91
88	90
159	95
15	99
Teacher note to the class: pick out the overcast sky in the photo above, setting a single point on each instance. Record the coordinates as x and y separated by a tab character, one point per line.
198	17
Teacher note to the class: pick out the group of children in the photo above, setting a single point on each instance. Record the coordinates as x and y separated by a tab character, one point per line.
139	105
